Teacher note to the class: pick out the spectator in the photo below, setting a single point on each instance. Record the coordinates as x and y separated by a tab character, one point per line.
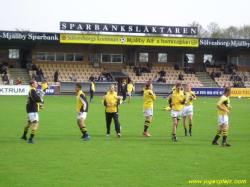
225	85
140	68
150	65
4	69
34	77
109	79
213	75
155	79
241	84
91	78
235	84
149	81
5	79
34	68
29	67
231	67
218	74
138	72
176	66
232	78
19	81
104	79
164	80
191	70
207	63
181	77
240	79
144	69
100	79
39	74
105	72
245	75
11	81
186	70
237	78
149	70
162	73
74	78
226	71
238	84
160	79
96	78
56	76
135	68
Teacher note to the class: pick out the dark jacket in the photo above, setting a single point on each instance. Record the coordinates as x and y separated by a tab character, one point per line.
33	101
39	72
124	87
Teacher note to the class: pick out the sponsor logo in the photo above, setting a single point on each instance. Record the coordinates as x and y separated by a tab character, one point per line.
12	90
124	28
28	36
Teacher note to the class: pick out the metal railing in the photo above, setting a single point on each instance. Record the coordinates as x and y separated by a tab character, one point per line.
114	68
207	77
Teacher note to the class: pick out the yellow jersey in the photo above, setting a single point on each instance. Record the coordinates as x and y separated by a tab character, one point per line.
82	103
189	100
225	103
44	86
92	86
111	98
175	98
149	99
130	88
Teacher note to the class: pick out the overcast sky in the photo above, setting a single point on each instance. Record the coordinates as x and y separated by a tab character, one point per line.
45	15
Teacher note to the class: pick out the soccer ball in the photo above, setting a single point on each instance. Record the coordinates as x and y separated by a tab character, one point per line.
122	40
239	97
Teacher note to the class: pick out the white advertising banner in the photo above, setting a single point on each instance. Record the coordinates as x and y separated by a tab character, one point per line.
14	90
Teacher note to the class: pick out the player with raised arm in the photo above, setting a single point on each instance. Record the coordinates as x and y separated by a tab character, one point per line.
44	87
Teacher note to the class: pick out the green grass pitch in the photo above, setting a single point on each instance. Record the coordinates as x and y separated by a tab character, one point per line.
61	159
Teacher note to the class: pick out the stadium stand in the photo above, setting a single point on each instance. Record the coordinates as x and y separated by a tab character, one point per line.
172	76
224	79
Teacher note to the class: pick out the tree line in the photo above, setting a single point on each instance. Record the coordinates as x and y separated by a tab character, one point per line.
213	30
